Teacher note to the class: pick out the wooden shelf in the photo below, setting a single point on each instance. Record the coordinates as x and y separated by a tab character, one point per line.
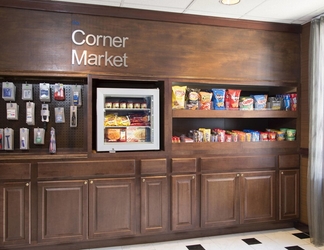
224	145
177	113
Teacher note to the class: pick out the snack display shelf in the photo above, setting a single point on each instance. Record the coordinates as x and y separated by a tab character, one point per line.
198	146
183	113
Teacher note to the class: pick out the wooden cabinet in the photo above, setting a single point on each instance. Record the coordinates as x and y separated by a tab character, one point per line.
154	196
64	214
154	204
111	207
184	196
228	199
257	196
62	211
15	213
289	194
220	199
184	202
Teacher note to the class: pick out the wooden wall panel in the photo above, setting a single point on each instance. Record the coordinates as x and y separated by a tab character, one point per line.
303	190
303	99
34	40
42	41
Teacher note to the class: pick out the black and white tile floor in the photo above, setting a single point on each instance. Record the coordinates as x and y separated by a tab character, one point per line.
283	239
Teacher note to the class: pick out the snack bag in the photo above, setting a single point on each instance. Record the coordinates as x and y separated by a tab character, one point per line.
287	102
246	103
205	100
260	102
192	98
293	102
219	99
233	98
178	97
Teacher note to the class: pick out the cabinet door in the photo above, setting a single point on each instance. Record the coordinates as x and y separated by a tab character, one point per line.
62	211
184	202
257	196
219	200
111	207
289	194
154	204
15	213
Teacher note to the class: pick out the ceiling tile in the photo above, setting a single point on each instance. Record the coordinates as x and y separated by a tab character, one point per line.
210	6
168	4
287	9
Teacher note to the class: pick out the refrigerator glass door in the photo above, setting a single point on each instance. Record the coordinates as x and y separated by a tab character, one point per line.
128	119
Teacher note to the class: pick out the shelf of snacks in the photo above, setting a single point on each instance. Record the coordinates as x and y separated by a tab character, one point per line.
185	113
232	147
239	103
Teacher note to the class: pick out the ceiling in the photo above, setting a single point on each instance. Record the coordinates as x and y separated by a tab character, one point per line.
279	11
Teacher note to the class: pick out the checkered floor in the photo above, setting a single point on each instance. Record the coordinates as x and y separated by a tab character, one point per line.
290	238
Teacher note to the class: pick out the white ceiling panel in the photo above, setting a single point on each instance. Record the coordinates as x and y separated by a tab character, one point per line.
279	11
215	6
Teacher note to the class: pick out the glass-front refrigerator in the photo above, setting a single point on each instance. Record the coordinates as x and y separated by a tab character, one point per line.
128	119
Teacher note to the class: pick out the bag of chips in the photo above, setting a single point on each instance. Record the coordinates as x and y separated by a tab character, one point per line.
178	97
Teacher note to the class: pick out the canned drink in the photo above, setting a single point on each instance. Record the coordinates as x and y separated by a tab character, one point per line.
115	105
137	105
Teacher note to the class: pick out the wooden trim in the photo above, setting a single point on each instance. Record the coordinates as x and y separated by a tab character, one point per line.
87	9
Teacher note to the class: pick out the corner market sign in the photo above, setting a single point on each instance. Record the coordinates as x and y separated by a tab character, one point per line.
79	38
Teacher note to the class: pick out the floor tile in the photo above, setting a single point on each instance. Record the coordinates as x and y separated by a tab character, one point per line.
195	247
251	241
294	248
281	239
301	235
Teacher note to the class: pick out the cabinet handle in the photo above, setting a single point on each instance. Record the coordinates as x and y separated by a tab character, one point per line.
91	182
242	175
282	172
85	183
27	184
143	180
237	175
193	177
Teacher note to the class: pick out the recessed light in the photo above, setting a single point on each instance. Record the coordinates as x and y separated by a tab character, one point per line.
229	2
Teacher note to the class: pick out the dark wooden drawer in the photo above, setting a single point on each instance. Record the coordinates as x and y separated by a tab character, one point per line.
86	168
289	161
15	171
183	165
153	166
237	163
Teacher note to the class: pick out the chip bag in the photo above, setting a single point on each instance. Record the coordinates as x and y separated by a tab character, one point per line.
178	97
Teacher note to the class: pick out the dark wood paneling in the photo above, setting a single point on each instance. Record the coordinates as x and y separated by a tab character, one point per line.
182	165
220	200
184	202
153	166
76	169
111	207
44	44
303	102
289	194
15	213
239	163
62	211
257	197
35	40
15	171
289	161
154	205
